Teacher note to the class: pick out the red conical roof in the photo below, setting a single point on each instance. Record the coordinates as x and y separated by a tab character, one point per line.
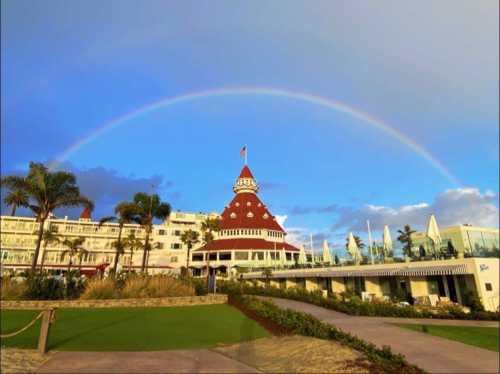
246	211
246	173
86	213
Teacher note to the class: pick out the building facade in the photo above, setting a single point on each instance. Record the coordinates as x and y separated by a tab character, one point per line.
249	234
18	241
467	240
424	282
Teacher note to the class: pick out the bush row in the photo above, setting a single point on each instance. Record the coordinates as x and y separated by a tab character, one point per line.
43	287
354	305
307	325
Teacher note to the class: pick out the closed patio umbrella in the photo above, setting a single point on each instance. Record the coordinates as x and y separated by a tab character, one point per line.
353	249
327	257
302	255
433	234
387	241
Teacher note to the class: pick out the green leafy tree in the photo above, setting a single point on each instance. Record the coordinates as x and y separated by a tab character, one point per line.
132	243
74	248
16	198
405	239
47	190
49	237
190	238
209	227
125	213
149	207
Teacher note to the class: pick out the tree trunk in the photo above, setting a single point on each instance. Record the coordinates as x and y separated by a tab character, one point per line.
146	245
38	243
188	258
13	211
131	261
42	261
118	245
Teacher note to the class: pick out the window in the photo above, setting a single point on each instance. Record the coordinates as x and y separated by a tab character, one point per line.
159	245
161	232
175	246
212	256
488	287
177	232
198	257
173	259
225	256
241	256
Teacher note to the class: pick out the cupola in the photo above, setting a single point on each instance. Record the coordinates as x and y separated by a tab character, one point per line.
246	182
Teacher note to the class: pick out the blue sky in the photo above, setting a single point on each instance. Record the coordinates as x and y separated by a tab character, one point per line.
428	69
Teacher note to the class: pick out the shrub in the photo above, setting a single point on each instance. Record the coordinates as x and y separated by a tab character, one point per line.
12	289
155	286
42	287
100	289
351	305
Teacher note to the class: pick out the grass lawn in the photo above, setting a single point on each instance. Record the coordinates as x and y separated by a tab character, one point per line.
135	329
482	337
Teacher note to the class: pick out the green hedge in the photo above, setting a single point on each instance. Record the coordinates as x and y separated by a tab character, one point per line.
353	305
307	325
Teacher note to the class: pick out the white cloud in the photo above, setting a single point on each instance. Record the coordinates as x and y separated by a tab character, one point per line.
451	207
281	219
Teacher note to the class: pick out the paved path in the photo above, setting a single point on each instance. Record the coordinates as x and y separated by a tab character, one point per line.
177	361
431	353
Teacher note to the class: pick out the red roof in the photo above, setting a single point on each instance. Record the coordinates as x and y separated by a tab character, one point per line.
246	243
246	173
86	213
246	211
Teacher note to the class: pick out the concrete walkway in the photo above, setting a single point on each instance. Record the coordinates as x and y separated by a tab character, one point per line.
180	361
431	353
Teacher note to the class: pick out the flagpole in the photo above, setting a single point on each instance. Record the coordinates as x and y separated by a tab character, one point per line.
246	154
370	240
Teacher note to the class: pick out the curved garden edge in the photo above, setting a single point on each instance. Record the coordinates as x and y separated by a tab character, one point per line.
294	322
115	303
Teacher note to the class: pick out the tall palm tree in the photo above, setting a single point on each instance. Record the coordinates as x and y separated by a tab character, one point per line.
190	238
47	190
125	213
16	198
75	248
208	228
405	238
132	243
49	236
149	207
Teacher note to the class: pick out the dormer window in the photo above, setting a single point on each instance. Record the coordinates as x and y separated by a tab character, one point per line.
249	203
233	215
250	215
265	216
237	204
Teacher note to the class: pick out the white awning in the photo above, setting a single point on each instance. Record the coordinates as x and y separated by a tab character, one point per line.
401	271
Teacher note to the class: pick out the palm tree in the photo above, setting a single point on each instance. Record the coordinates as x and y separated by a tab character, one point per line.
125	213
405	238
190	238
208	228
133	244
49	236
47	190
149	207
16	198
74	248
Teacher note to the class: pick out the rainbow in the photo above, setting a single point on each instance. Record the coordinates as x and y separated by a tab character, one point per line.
266	91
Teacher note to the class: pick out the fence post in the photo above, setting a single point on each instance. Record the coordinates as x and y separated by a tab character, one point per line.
44	330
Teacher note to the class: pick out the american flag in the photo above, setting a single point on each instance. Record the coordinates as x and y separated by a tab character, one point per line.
243	151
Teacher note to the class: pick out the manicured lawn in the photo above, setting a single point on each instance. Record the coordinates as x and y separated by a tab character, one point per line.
483	337
135	329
